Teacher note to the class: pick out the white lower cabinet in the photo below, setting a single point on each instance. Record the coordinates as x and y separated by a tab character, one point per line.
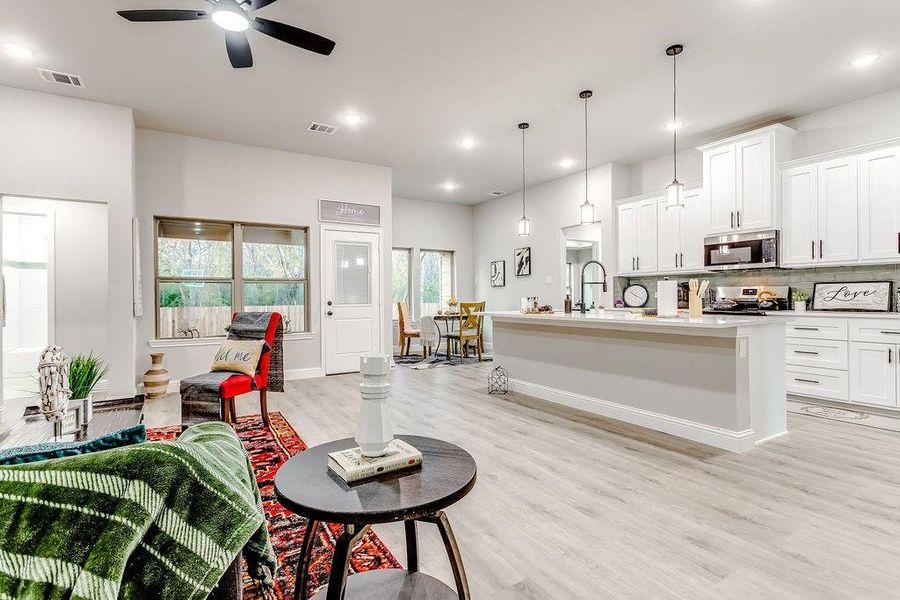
851	360
873	373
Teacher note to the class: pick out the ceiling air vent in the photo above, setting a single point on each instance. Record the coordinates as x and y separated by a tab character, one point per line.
322	128
58	77
496	193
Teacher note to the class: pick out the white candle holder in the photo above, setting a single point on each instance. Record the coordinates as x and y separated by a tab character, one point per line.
374	432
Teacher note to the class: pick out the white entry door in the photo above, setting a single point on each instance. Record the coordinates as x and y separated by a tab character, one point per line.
351	302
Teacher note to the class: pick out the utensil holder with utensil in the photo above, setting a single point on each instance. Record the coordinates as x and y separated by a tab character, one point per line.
696	289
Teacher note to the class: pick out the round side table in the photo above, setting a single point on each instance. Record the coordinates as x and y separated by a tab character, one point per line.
305	486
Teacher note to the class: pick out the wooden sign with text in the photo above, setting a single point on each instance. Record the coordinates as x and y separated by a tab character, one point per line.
853	295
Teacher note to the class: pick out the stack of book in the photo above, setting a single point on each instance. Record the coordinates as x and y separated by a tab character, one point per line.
350	465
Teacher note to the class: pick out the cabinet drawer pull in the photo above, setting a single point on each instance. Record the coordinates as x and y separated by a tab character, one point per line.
891	332
807	380
682	259
739	219
676	260
890	355
732	219
821	254
805	352
806	328
812	245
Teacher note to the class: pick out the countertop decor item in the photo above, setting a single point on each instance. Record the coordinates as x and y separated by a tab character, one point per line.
524	229
696	290
635	296
498	273
498	381
872	296
85	371
374	432
305	486
522	260
587	209
53	383
800	298
675	190
156	378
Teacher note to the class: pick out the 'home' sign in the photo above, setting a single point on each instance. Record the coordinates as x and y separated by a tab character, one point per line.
349	212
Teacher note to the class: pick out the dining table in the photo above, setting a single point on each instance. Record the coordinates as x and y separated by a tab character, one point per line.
448	319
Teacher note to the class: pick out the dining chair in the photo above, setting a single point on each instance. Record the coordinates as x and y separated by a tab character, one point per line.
407	332
428	335
471	322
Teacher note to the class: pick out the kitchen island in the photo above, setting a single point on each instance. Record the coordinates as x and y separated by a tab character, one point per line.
718	380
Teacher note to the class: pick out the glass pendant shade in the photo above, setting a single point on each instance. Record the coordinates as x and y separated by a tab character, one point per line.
524	227
587	213
675	195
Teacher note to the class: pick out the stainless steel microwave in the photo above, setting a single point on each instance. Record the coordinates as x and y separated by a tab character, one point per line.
757	250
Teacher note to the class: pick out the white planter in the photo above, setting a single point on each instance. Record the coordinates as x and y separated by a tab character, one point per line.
800	306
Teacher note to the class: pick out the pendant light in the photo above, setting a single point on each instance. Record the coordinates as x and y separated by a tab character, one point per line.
587	209
524	223
675	190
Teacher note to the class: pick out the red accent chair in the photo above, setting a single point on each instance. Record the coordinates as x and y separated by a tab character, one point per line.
241	384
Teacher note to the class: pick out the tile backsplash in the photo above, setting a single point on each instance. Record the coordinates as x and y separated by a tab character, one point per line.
802	279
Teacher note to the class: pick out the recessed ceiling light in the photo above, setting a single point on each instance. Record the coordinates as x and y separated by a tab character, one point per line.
566	163
17	50
353	119
448	186
866	60
468	143
674	125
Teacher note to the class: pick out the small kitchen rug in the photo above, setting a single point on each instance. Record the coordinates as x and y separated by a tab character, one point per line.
847	415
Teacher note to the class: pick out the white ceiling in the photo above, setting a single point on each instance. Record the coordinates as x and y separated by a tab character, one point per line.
427	73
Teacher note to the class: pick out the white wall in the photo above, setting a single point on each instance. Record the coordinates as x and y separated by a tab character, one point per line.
64	148
550	207
421	225
855	123
182	176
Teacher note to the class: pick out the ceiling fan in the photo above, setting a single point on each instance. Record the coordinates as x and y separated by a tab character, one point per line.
235	17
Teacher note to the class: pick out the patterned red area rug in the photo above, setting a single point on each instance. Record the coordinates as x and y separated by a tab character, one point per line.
268	449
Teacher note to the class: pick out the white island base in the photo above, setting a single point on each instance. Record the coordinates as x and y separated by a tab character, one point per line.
715	380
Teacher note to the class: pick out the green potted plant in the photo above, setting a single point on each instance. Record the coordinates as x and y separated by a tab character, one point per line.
85	370
800	298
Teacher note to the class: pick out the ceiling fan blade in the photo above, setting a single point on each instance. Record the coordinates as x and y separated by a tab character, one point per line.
294	36
141	16
238	50
258	4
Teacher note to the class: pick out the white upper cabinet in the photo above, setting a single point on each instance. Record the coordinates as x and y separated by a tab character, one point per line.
637	237
681	232
879	205
755	191
837	209
626	235
739	182
799	219
720	186
819	214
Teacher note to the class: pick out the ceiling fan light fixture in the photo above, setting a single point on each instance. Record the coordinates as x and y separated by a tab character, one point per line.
230	17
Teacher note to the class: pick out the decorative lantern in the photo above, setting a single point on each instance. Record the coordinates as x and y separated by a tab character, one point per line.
53	383
498	381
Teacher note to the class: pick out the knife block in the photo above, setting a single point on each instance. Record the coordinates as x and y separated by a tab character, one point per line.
695	306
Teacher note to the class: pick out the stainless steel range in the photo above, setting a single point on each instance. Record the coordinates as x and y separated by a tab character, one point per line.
748	299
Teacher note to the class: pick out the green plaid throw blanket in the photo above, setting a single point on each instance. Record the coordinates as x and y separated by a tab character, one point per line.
153	520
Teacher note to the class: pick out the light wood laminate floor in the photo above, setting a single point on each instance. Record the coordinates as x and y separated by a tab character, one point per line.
574	506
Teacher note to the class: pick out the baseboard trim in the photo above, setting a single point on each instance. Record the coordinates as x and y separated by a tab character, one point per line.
726	439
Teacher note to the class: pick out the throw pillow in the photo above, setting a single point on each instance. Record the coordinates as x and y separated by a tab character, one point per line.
135	434
239	356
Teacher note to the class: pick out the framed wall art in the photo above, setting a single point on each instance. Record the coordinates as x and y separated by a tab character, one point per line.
874	296
498	273
522	260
